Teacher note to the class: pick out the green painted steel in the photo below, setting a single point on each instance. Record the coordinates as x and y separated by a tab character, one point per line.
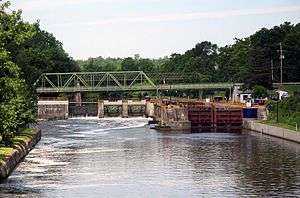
121	81
126	81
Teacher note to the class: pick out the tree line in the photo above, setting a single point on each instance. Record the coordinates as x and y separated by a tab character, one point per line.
26	51
254	60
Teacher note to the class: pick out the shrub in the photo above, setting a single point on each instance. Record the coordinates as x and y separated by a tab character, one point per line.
259	92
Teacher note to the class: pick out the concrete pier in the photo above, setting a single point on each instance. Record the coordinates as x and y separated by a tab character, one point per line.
100	109
125	109
53	109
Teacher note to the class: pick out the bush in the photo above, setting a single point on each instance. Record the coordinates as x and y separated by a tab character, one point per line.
259	92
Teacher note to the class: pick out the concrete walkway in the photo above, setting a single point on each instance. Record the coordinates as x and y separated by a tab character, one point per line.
272	130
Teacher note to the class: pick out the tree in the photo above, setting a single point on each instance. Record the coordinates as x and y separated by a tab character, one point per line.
42	53
129	64
233	62
26	51
145	65
249	60
265	47
15	105
291	46
259	92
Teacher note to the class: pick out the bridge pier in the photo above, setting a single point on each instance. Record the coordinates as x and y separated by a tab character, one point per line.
55	109
100	109
77	98
125	109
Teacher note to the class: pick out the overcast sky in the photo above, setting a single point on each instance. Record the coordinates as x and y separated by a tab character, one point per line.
152	28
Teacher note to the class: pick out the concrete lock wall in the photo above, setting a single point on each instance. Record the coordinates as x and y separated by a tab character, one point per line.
272	130
53	109
174	117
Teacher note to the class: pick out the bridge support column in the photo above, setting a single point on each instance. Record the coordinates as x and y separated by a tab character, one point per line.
125	109
53	109
77	97
100	109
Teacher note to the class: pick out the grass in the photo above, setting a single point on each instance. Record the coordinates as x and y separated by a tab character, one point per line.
19	139
291	89
288	113
4	152
280	124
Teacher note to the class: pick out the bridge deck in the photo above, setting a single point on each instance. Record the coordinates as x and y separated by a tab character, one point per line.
137	88
125	81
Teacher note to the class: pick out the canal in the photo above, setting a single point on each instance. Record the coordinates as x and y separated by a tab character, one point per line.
117	157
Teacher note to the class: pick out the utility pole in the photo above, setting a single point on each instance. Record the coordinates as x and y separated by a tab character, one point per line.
277	111
281	62
272	70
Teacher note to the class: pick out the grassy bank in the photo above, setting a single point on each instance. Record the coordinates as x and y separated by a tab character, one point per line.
288	113
282	125
20	139
291	89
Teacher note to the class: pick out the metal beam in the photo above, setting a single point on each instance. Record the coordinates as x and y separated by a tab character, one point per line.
125	81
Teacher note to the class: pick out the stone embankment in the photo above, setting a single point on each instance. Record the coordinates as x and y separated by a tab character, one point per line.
279	132
19	152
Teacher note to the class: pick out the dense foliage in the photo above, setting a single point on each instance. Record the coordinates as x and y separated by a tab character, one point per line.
26	51
248	60
101	64
42	53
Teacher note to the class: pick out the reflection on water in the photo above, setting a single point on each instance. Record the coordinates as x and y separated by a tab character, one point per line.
122	158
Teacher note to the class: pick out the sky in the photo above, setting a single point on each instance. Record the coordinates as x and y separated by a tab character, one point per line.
152	28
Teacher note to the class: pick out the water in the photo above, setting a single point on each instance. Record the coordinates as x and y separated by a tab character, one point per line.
122	158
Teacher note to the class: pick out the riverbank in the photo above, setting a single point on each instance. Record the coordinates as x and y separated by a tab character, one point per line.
281	125
10	157
272	130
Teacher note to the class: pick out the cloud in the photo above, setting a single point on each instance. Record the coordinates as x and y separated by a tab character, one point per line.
34	5
187	16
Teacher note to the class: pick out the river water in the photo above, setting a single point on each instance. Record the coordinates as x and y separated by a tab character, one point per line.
123	158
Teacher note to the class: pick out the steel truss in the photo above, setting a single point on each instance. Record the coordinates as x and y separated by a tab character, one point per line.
121	81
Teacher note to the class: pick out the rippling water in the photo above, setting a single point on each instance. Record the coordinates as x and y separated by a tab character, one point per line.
122	158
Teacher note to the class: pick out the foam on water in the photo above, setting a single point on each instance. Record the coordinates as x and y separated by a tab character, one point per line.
84	118
51	149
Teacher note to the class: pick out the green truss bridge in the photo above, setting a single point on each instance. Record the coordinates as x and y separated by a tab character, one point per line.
123	81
